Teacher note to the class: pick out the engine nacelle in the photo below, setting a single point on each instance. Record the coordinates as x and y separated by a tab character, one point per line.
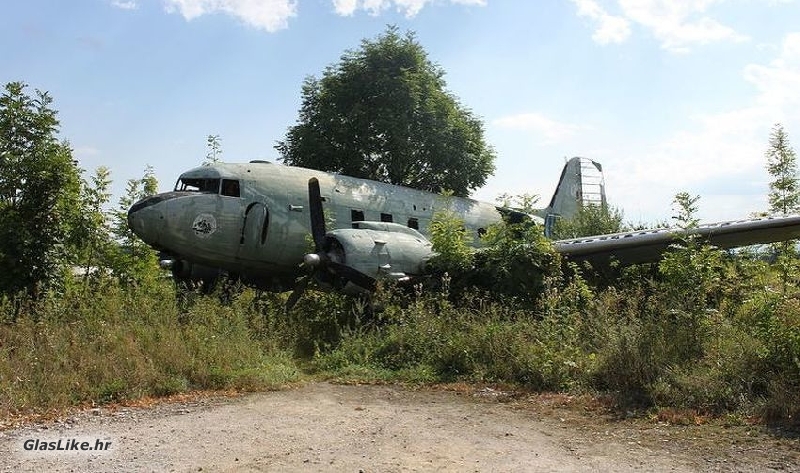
379	254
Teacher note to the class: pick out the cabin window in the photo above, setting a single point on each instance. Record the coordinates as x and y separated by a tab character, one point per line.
386	217
230	187
413	223
187	184
356	216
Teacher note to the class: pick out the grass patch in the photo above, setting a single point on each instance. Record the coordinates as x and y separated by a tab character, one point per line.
121	344
638	343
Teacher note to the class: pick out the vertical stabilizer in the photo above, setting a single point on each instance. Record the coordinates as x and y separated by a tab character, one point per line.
581	184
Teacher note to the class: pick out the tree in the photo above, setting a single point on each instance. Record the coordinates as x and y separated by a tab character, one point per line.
135	261
451	242
784	195
383	113
590	220
514	264
39	191
214	150
693	272
91	236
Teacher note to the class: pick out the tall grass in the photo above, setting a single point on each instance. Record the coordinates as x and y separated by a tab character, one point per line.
733	346
639	342
118	342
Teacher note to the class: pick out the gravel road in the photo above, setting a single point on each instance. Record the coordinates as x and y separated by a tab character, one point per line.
329	427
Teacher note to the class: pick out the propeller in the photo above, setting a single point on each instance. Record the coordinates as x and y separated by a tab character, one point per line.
328	253
317	214
298	291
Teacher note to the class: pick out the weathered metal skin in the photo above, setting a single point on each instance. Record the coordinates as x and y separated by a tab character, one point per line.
261	235
253	221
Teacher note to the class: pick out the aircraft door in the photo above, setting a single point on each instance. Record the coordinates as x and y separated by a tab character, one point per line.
255	233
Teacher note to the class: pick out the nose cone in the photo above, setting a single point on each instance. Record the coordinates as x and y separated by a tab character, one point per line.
146	217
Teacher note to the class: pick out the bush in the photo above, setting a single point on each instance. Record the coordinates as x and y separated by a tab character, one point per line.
512	265
730	341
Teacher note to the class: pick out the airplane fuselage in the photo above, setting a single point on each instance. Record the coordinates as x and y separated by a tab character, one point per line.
252	219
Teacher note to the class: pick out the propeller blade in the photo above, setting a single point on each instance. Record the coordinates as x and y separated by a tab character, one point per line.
320	259
299	289
317	213
354	276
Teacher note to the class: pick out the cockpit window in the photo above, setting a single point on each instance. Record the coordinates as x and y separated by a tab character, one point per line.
197	185
230	188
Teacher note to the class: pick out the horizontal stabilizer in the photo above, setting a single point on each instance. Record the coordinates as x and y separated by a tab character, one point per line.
644	246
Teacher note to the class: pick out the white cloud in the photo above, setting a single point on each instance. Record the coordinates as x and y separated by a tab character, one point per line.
273	15
550	130
269	15
677	24
125	4
610	29
779	81
719	155
345	7
375	7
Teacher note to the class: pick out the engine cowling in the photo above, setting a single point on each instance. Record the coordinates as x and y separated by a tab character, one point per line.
382	251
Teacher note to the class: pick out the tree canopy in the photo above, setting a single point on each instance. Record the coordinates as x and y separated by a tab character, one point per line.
784	193
383	113
590	220
39	190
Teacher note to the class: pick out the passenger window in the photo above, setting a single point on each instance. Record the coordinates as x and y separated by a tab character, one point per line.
356	216
230	188
413	223
386	217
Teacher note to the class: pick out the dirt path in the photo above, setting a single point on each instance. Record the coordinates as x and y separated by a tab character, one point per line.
383	428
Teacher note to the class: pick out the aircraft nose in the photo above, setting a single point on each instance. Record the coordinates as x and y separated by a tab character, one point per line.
146	217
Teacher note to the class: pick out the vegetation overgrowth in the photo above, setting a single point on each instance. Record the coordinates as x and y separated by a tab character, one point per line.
86	315
704	330
116	342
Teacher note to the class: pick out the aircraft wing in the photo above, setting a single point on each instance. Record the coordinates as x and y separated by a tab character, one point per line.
644	246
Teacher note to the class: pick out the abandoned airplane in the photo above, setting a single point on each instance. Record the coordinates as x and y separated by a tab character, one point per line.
252	220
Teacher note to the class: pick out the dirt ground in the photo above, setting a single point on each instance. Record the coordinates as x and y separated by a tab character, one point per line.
330	427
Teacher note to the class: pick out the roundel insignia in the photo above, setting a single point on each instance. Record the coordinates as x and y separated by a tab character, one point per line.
204	225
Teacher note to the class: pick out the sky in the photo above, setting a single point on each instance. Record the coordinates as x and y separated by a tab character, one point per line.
668	95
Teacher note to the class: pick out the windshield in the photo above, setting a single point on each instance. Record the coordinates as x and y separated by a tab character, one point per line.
197	185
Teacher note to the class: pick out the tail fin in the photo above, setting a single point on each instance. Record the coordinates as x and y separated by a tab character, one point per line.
581	184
